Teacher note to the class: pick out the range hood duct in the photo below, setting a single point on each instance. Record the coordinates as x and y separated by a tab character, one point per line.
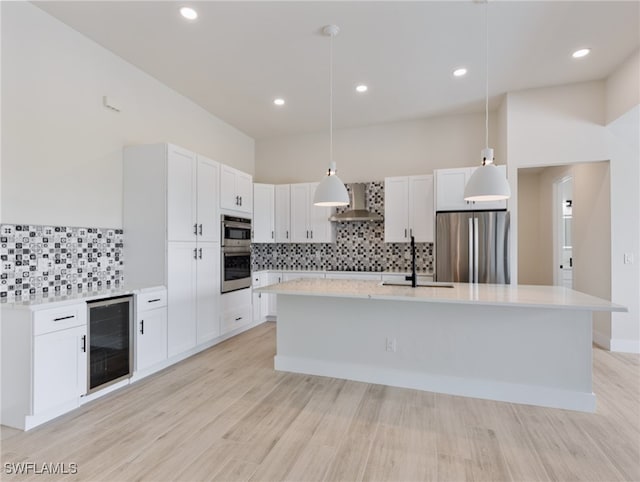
357	207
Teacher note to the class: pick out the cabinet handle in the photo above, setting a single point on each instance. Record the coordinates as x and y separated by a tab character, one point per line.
240	200
84	343
272	235
195	229
287	234
64	318
200	229
410	231
307	234
195	253
200	253
153	300
405	232
142	327
312	234
239	318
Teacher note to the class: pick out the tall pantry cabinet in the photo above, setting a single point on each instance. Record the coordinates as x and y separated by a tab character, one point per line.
172	226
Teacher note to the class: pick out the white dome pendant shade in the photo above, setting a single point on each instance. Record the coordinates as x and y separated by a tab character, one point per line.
487	183
331	191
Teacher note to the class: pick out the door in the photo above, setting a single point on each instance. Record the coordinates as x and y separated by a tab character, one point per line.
208	184
228	196
421	208
151	338
244	190
491	254
208	291
396	210
282	213
181	301
263	213
453	245
59	368
299	213
181	195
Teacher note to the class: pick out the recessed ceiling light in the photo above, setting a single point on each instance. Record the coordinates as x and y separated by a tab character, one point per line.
460	72
278	102
188	13
578	54
362	88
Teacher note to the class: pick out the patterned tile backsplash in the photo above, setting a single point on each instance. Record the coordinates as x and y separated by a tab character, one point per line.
50	260
359	246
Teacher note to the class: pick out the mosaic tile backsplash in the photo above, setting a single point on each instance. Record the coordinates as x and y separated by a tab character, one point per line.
359	246
50	260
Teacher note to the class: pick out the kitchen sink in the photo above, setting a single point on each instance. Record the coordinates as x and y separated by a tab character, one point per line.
433	284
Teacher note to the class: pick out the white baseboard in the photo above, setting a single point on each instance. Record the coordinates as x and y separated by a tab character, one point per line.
625	346
486	389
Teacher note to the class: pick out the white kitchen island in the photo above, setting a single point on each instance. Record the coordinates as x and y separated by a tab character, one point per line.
523	344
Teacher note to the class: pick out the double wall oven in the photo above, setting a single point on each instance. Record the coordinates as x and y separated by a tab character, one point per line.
236	253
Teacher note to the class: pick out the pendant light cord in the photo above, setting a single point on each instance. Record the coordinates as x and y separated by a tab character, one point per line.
331	101
486	73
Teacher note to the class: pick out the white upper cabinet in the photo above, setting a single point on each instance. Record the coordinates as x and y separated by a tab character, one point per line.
236	190
208	219
264	213
192	199
408	209
450	184
282	213
309	223
181	194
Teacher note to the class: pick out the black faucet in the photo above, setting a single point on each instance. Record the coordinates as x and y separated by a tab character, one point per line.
413	278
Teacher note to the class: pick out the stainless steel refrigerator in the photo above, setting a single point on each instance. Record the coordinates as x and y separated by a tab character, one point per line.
472	247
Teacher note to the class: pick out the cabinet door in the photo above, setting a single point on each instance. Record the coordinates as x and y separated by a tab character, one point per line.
181	194
272	304
244	190
151	338
59	368
228	196
421	213
282	213
450	185
257	307
396	209
208	291
263	213
181	297
208	216
299	213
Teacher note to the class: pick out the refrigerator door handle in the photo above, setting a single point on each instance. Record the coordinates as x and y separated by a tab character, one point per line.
475	250
471	253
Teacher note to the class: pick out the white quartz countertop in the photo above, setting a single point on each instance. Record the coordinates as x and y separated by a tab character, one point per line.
525	296
70	297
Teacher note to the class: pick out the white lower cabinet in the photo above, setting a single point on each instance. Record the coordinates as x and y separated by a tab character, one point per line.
261	301
236	310
44	362
181	288
151	330
208	292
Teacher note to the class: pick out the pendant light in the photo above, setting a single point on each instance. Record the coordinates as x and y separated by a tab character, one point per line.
487	183
331	190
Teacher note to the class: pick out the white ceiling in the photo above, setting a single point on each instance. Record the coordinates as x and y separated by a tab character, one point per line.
238	56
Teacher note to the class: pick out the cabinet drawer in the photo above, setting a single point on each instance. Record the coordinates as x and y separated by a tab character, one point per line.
54	319
236	318
151	300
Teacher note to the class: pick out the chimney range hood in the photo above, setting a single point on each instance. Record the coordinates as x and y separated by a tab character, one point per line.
357	210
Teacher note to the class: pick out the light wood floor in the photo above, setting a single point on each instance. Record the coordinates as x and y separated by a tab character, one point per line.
225	414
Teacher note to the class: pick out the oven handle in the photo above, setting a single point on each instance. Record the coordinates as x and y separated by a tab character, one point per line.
235	224
248	253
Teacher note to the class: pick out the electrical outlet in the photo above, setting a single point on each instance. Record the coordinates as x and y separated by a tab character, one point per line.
391	344
628	258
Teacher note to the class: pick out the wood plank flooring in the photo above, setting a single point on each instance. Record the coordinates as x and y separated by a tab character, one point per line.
225	414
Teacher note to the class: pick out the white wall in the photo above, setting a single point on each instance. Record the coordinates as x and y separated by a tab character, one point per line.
62	150
374	152
623	88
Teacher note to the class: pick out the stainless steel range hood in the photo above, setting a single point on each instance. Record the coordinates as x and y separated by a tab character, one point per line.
357	207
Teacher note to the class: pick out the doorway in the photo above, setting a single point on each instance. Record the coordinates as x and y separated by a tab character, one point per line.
562	231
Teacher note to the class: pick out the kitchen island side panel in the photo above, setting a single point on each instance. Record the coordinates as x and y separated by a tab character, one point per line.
538	356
